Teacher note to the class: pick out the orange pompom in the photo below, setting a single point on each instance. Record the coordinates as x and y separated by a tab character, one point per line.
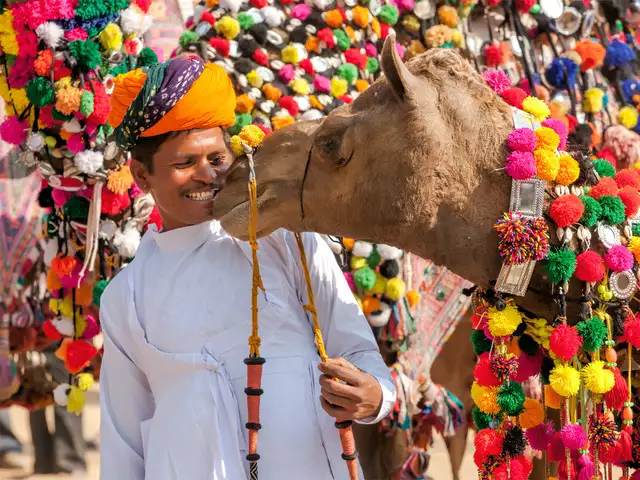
348	243
53	281
244	103
551	398
63	265
84	294
413	298
61	352
334	18
370	304
272	93
592	54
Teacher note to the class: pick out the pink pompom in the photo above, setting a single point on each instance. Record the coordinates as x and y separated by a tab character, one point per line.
632	330
321	83
76	34
540	436
573	436
560	128
76	143
189	22
565	342
400	49
91	128
92	329
585	464
14	131
301	11
566	210
521	165
488	442
287	73
350	280
589	267
371	50
619	258
73	279
497	80
483	373
60	197
522	140
555	450
135	191
528	366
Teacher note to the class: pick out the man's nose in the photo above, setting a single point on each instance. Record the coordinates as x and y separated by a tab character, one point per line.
204	172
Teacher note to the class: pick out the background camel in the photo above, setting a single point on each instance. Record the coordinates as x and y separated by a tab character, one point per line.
431	130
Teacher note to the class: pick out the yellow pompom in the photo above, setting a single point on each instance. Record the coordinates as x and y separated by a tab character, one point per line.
280	121
597	379
66	308
252	135
628	117
636	165
50	141
358	262
53	305
339	87
228	27
485	398
448	16
85	381
634	247
81	325
564	380
76	400
290	54
592	102
358	301
458	39
395	289
536	107
254	79
569	170
533	414
236	145
111	37
380	286
413	298
119	181
8	41
547	164
300	86
547	139
503	322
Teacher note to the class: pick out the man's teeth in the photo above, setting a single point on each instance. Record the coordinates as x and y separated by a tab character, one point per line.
201	196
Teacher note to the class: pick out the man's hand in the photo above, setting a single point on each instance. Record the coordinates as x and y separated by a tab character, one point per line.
358	398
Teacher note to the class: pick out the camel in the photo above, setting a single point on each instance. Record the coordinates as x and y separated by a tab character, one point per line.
415	162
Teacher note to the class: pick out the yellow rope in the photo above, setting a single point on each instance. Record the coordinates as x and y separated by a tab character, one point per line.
256	282
311	306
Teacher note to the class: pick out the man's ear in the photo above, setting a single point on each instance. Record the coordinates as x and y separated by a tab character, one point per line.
140	175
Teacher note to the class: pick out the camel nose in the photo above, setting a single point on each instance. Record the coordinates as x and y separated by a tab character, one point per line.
238	171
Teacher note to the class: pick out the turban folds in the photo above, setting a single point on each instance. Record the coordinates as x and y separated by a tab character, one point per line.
181	94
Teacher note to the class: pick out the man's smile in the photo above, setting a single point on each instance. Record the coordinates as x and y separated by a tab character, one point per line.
202	195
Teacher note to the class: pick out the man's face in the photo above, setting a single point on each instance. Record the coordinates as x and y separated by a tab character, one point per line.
188	171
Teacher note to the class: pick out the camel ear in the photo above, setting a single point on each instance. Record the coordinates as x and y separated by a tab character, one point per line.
402	81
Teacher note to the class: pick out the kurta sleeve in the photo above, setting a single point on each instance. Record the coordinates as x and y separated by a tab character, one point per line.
125	398
344	327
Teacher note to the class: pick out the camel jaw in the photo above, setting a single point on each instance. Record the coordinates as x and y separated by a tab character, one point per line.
236	221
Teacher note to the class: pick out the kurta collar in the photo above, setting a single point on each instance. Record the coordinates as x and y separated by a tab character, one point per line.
185	238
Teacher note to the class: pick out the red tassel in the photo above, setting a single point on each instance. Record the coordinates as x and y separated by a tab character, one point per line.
616	397
626	446
79	355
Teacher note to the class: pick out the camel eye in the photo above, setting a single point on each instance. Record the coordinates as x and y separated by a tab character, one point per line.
330	145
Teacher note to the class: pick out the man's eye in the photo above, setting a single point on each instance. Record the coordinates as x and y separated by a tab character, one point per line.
217	161
182	165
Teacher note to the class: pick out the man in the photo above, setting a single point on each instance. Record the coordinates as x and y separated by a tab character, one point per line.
177	319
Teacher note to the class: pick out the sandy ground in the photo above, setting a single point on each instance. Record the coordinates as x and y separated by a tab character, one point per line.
439	470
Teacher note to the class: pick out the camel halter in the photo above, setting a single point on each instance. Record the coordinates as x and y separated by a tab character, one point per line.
304	179
255	362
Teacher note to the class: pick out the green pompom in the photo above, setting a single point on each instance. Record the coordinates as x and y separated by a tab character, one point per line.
40	92
372	65
528	345
511	398
373	260
77	208
604	168
245	20
119	69
612	210
481	343
188	38
593	333
635	229
86	103
89	9
592	211
242	120
87	53
60	116
389	15
365	278
448	45
342	39
106	129
147	57
560	265
348	71
482	420
98	289
545	371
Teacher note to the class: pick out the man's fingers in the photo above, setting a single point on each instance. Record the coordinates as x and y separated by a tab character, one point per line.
336	400
338	389
342	370
338	413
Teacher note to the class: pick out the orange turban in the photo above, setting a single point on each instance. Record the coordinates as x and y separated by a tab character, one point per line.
181	94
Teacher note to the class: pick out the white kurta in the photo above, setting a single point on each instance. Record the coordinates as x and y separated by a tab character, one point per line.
176	323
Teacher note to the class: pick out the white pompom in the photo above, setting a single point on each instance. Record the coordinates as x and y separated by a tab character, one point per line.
334	245
362	249
50	33
134	21
381	317
232	5
50	251
127	241
387	252
61	394
89	161
272	15
64	326
108	229
312	114
72	126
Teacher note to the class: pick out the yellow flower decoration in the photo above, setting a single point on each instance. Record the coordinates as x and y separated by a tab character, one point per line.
236	145
485	398
547	164
569	170
252	135
76	400
85	381
503	322
547	138
536	107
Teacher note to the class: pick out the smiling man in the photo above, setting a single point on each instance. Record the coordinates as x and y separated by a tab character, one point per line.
177	319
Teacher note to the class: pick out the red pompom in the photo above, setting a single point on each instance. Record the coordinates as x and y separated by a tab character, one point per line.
565	342
307	66
51	332
514	96
384	30
154	219
606	154
566	210
208	17
264	128
488	442
628	178
261	57
525	5
326	35
346	99
79	355
632	330
555	450
357	58
606	186
631	199
483	373
144	5
221	45
619	394
112	203
589	267
572	121
519	468
259	3
101	103
493	55
289	104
